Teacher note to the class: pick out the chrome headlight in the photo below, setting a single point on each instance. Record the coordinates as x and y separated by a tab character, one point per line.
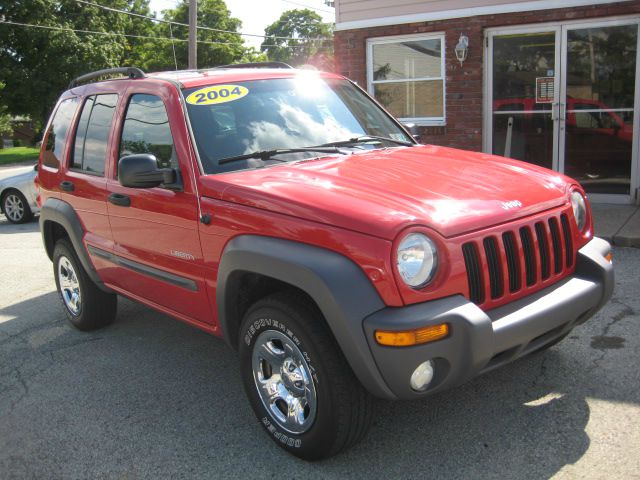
417	259
579	209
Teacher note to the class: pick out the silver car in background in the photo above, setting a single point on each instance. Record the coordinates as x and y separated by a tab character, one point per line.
18	197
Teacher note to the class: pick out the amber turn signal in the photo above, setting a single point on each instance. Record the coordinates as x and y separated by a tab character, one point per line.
406	338
609	257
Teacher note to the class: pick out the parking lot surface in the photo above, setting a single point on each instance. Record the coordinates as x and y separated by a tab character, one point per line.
150	397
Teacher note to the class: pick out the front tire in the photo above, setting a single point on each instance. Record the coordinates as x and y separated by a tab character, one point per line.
86	306
15	207
298	382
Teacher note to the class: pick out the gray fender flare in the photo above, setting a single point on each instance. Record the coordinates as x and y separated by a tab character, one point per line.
57	211
339	287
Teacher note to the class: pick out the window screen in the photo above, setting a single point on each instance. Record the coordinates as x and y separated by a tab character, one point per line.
146	130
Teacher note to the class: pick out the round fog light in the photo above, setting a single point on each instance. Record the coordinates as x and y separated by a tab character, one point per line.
422	376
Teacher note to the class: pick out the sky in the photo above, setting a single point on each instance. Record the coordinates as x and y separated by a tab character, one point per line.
256	15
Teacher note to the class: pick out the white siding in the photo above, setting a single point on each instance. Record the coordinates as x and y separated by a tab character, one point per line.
369	13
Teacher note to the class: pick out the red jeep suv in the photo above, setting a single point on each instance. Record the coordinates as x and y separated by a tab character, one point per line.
287	212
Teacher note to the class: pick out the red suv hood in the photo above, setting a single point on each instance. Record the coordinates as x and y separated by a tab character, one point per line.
382	191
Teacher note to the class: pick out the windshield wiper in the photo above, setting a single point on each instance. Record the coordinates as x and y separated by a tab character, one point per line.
268	154
366	138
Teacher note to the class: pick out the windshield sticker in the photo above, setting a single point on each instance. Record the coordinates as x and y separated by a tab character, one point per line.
217	94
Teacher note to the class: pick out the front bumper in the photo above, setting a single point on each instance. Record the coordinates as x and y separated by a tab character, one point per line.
481	341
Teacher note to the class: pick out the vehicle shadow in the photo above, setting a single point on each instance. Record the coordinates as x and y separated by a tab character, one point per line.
150	397
6	227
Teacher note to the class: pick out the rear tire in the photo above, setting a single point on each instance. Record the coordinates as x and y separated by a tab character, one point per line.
86	306
15	207
298	382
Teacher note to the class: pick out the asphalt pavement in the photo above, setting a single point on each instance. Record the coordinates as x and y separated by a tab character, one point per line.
152	398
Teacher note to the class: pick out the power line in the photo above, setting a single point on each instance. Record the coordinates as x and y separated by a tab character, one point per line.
185	24
304	24
308	6
147	37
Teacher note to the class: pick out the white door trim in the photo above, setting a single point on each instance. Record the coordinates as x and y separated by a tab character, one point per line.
487	126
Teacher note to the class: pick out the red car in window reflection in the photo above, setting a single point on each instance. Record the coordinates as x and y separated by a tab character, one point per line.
580	114
598	140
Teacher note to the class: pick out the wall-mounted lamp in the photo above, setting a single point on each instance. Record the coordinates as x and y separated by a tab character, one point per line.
462	49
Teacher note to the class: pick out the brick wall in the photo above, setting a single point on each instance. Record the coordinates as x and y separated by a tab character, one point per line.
464	85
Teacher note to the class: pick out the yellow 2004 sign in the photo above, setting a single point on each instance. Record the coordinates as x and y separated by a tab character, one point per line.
217	94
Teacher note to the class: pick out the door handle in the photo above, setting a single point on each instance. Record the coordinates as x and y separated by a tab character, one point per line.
120	199
67	186
554	116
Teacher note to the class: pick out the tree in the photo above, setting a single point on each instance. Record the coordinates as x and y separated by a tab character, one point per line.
37	64
252	55
214	47
5	118
293	39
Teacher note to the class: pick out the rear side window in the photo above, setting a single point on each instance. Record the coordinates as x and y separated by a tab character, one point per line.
58	133
92	134
146	130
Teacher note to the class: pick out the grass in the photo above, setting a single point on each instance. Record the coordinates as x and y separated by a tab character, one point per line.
18	155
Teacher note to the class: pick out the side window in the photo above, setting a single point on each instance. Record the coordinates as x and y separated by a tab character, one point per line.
146	130
92	134
58	132
408	76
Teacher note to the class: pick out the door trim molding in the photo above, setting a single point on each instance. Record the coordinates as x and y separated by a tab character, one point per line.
137	267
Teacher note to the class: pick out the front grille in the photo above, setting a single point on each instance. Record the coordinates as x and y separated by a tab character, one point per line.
529	255
518	259
543	249
474	274
513	260
493	262
557	246
568	244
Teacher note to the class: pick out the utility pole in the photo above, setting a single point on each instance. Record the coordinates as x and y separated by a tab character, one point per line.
193	44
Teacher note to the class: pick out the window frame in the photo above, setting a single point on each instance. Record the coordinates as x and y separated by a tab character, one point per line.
72	145
123	120
49	130
420	121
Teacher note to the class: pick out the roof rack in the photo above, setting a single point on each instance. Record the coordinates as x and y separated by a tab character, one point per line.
131	72
257	65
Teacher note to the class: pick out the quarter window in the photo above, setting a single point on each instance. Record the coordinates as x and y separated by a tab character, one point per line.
146	130
92	134
406	75
58	132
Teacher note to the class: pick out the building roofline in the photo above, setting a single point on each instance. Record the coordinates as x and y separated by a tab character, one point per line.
468	12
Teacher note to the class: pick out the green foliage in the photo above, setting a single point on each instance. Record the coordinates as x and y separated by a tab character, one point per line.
18	154
5	123
298	27
5	118
37	64
212	14
252	55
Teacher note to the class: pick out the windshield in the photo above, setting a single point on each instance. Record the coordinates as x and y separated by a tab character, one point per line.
239	118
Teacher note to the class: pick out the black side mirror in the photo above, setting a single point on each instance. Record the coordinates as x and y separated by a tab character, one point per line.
412	128
141	171
35	167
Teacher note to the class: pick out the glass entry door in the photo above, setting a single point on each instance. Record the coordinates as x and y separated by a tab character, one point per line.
598	103
525	96
564	97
